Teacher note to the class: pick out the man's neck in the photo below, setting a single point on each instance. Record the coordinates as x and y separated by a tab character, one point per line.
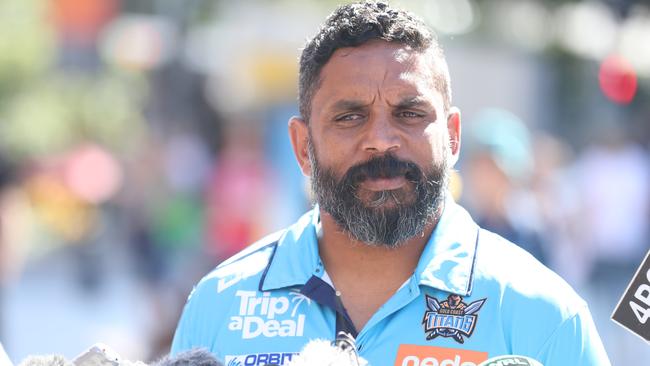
366	275
340	253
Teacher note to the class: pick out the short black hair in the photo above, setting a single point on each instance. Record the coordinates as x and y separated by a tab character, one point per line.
354	24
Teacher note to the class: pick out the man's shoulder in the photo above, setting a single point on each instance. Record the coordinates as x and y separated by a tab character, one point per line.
540	313
248	269
233	298
244	269
211	300
524	282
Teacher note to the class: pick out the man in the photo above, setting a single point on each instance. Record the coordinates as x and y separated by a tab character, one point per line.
386	255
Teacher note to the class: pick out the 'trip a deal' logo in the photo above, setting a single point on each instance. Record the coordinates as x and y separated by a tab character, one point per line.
450	318
269	316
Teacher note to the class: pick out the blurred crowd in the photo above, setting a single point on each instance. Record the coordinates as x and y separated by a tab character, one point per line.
143	142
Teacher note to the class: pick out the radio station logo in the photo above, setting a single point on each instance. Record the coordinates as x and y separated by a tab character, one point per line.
451	318
633	309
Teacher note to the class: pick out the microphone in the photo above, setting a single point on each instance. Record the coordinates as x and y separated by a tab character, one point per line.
193	357
511	360
4	358
341	352
101	355
48	360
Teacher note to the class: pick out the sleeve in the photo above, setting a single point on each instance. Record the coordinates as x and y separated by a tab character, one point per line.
198	325
183	339
575	342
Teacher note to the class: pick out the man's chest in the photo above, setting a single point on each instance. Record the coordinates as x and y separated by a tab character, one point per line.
270	328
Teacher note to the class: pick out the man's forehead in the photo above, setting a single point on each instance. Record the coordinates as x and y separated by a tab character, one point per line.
356	72
398	52
379	59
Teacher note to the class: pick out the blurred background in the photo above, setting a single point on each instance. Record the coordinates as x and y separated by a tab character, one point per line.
144	141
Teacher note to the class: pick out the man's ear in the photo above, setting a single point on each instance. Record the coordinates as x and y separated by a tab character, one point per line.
299	136
454	128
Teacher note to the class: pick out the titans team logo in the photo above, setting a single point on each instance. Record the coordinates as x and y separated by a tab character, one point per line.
450	318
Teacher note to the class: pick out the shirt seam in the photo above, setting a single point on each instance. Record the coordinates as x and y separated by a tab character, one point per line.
268	266
556	330
470	280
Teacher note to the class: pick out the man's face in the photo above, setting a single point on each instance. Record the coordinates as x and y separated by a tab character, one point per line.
454	300
378	142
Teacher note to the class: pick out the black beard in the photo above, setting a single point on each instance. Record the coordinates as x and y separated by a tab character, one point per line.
391	217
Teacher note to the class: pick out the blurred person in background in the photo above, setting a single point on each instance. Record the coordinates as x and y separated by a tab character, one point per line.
386	255
613	180
612	177
240	182
6	255
498	166
558	206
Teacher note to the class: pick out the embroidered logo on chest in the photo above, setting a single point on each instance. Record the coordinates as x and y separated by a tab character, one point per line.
451	318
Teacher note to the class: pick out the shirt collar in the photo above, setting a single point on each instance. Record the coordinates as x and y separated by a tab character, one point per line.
296	257
446	263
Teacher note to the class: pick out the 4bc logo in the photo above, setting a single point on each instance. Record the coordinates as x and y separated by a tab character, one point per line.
642	294
633	311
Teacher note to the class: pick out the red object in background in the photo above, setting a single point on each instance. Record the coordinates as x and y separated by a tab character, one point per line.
82	20
92	173
235	196
617	79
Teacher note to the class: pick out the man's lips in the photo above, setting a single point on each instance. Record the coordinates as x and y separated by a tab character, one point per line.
383	184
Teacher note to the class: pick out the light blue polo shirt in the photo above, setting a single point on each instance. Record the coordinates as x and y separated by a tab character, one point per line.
473	296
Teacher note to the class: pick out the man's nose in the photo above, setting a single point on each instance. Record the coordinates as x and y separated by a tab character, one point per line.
381	136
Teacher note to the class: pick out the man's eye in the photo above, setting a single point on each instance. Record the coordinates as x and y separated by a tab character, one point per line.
409	114
349	117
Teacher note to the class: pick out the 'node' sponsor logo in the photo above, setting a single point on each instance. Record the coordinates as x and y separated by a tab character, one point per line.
257	315
412	355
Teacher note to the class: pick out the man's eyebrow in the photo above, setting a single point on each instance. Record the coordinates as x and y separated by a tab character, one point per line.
349	104
410	102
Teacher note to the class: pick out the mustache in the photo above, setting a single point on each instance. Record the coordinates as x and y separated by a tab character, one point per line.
383	166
